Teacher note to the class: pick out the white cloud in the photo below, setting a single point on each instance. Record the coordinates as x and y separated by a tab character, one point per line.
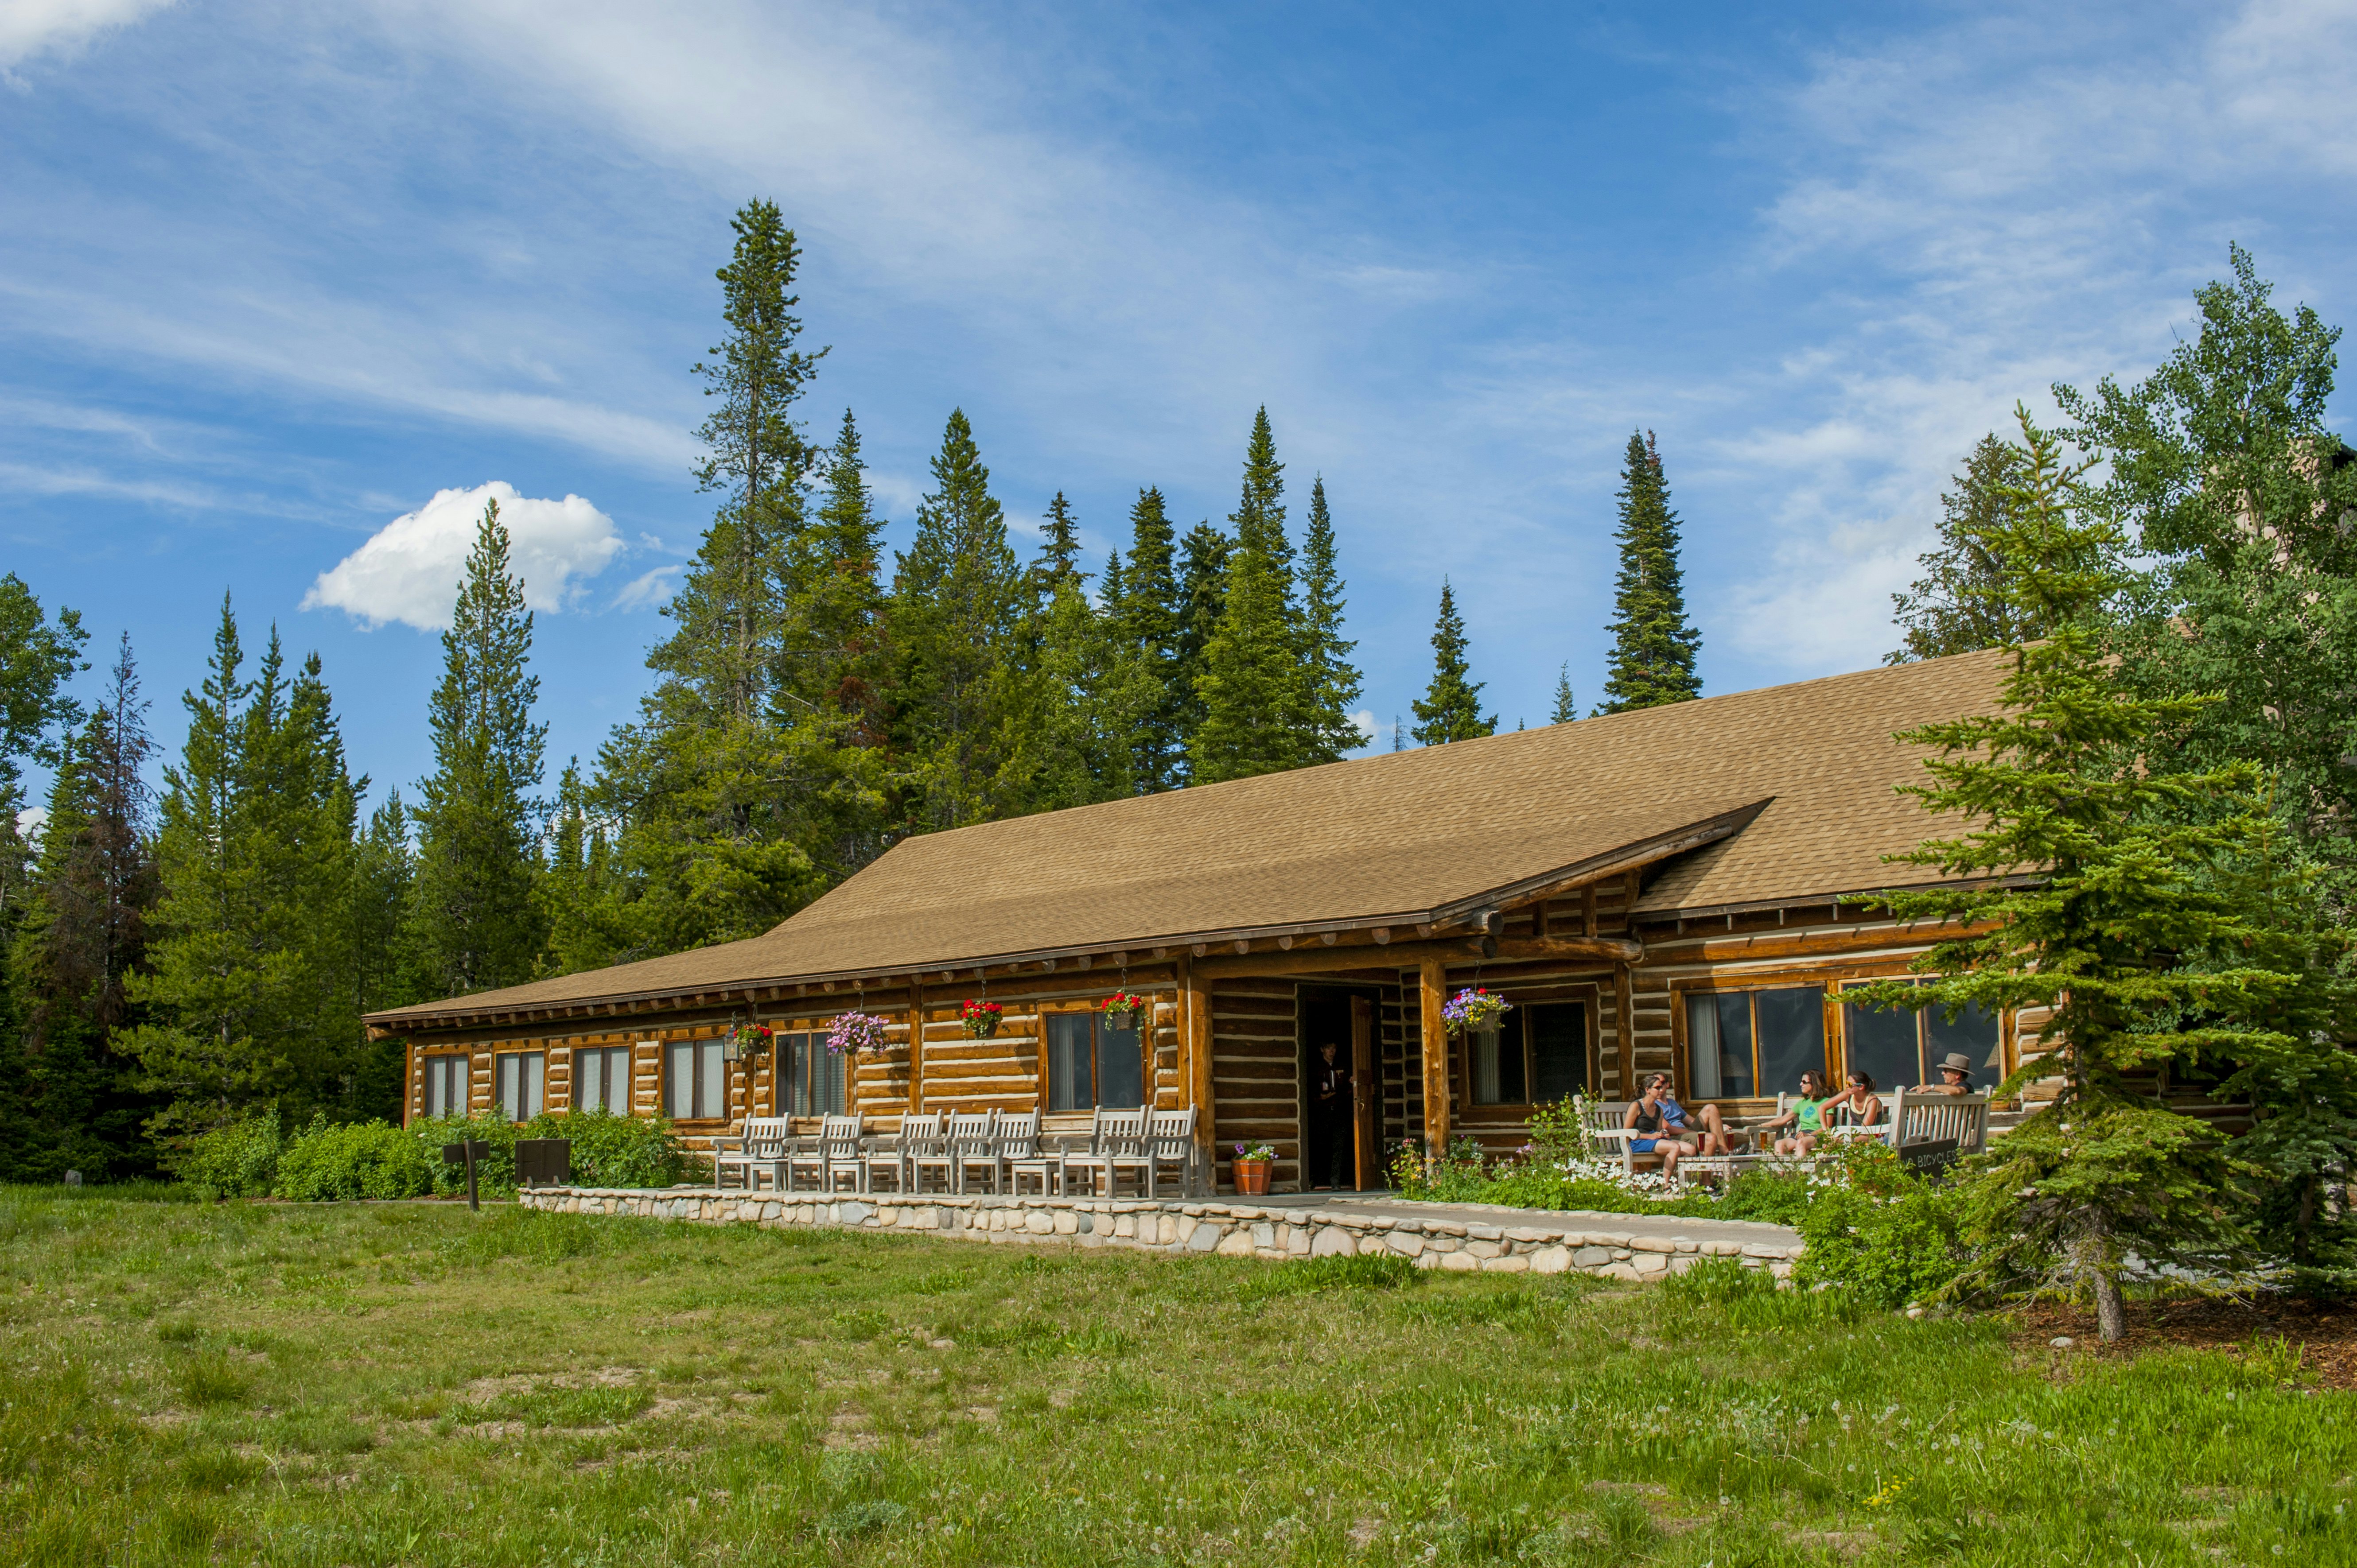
1365	719
29	27
648	589
409	570
30	821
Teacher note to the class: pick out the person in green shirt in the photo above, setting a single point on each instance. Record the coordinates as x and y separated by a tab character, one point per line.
1805	1120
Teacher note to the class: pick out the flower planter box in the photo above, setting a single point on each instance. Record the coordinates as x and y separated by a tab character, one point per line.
1252	1178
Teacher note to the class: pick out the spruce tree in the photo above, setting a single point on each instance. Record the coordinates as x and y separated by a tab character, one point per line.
1960	603
729	604
1654	644
477	918
1566	707
1333	680
84	935
1153	614
958	618
1450	708
1254	688
1204	554
1059	553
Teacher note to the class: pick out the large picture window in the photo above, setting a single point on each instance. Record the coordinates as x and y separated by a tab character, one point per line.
517	1081
1093	1059
601	1080
696	1081
446	1086
1907	1048
1538	1057
811	1079
1742	1043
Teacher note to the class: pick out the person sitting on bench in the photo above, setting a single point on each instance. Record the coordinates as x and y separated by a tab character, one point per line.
1858	1103
1647	1119
1704	1127
1955	1076
1805	1119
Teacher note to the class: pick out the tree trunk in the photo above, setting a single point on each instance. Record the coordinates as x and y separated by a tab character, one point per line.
2111	1315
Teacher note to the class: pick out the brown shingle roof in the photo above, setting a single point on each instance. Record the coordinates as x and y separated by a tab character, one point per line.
1390	837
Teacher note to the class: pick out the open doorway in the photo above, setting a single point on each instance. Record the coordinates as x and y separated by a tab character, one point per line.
1342	1105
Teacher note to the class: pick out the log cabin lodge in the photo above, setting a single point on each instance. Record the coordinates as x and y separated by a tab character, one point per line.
1683	888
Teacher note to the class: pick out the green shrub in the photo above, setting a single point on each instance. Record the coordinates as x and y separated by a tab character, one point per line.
494	1173
1773	1198
240	1160
1887	1249
615	1151
361	1159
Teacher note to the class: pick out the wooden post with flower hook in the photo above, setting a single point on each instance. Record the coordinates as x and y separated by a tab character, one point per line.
1433	973
916	1044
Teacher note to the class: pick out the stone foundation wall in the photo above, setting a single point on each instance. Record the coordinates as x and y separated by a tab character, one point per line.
1228	1230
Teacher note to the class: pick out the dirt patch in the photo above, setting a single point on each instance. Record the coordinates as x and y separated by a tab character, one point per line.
2324	1333
483	1390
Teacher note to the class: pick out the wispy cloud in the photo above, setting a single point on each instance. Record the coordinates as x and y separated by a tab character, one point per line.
32	28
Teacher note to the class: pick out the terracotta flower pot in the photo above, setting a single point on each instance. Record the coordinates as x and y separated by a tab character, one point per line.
1252	1178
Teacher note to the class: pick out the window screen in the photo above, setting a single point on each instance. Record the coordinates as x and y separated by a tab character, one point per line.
815	1077
1740	1044
1090	1062
1558	1032
695	1083
517	1081
446	1086
1902	1049
601	1080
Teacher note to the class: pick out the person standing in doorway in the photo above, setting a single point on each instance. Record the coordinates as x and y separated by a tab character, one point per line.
1330	1119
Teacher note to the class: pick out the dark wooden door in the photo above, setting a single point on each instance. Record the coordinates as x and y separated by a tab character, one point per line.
1367	1139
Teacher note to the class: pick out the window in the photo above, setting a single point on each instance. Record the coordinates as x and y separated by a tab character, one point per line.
1740	1044
813	1077
516	1082
601	1080
1901	1047
1093	1058
446	1086
696	1081
1539	1057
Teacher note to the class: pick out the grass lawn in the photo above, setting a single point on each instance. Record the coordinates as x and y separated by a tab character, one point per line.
409	1383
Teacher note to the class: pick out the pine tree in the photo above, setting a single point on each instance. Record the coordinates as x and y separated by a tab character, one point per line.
1204	555
1451	706
1333	680
83	936
728	606
478	918
1960	603
217	983
1153	614
958	617
38	656
1252	687
1059	555
1566	707
1654	644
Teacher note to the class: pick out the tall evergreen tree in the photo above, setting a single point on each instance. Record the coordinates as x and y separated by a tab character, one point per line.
729	604
1253	689
83	937
479	920
1566	707
1333	680
1960	603
1653	643
1059	553
1204	554
1450	708
38	656
1153	614
958	617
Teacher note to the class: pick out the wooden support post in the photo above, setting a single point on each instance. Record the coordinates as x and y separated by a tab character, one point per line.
1624	1024
1632	883
1433	986
1195	1059
1587	911
916	1048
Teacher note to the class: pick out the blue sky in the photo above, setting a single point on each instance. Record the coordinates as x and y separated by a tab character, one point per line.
273	276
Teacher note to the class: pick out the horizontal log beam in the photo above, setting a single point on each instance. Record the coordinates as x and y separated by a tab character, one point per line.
1612	949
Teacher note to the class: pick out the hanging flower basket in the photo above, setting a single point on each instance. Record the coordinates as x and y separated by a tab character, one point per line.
980	1018
1474	1011
747	1040
1125	1009
856	1033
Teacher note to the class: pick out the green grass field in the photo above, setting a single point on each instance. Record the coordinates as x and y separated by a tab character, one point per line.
413	1384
